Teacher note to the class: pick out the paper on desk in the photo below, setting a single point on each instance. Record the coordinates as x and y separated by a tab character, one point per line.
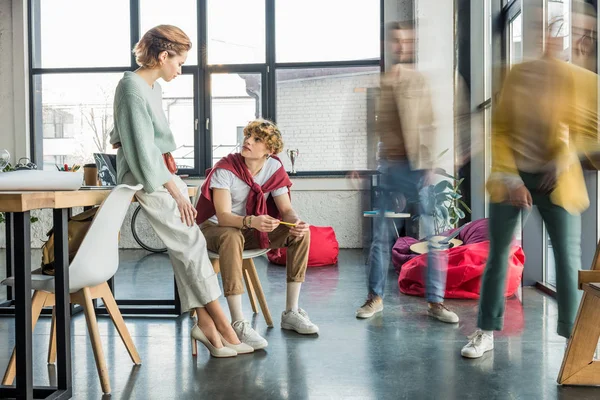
28	180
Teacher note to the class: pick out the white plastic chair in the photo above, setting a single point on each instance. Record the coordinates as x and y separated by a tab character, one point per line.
253	286
95	263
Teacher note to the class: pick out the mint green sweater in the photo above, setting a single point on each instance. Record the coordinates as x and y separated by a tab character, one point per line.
140	125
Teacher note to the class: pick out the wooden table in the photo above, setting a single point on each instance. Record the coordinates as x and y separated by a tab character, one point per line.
18	206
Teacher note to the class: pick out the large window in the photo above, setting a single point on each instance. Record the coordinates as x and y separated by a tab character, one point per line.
516	40
76	115
311	66
236	37
184	16
323	113
331	30
235	100
75	33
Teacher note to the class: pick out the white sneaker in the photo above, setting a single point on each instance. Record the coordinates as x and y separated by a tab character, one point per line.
479	343
298	321
248	335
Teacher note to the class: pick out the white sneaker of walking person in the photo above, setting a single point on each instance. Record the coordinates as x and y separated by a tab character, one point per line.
480	342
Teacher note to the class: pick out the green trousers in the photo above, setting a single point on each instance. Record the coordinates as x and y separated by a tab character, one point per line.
565	233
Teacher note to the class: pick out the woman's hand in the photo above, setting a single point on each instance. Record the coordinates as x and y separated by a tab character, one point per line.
300	229
187	210
264	223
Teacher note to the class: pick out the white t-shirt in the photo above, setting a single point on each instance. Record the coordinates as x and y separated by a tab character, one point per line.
224	179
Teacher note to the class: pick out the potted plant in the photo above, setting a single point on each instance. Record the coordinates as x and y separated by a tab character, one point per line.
443	201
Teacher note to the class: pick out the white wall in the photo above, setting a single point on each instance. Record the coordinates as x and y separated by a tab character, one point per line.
14	106
335	202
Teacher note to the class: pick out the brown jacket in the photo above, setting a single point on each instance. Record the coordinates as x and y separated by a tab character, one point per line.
405	123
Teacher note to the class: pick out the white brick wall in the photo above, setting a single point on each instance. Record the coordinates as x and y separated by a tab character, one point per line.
326	119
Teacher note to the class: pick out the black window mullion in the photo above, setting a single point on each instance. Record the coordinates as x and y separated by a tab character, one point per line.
35	100
203	133
382	35
78	70
264	92
328	64
202	33
134	28
205	125
231	68
271	91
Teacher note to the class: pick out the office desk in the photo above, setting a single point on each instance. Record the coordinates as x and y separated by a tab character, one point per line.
18	206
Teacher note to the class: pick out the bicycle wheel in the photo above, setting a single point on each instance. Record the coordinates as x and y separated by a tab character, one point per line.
151	241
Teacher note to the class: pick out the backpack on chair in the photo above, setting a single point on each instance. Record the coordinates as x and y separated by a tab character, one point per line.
77	228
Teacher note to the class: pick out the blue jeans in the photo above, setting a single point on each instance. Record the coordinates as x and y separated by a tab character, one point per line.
397	180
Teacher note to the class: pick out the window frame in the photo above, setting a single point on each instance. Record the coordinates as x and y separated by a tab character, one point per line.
200	72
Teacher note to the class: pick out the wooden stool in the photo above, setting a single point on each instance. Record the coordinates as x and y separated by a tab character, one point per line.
253	286
578	366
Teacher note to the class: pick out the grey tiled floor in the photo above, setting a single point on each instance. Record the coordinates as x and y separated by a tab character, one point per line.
400	354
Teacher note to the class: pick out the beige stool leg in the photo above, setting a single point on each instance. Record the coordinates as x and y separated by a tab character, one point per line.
85	299
249	266
37	303
250	290
117	318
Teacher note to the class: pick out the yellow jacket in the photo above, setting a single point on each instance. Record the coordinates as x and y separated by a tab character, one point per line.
568	112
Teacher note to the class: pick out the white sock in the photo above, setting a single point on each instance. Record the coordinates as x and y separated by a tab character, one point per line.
489	333
292	296
235	307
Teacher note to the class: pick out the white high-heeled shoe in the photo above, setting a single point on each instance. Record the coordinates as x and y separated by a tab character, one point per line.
221	352
241	348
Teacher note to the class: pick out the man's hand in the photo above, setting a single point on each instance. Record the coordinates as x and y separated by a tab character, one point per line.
548	183
264	223
520	197
300	229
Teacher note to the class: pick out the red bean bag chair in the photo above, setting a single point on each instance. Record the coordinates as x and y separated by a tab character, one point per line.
324	248
465	268
473	232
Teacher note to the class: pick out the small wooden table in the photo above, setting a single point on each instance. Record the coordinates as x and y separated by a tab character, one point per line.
18	206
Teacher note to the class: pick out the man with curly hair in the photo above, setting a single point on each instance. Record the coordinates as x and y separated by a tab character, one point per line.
243	201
